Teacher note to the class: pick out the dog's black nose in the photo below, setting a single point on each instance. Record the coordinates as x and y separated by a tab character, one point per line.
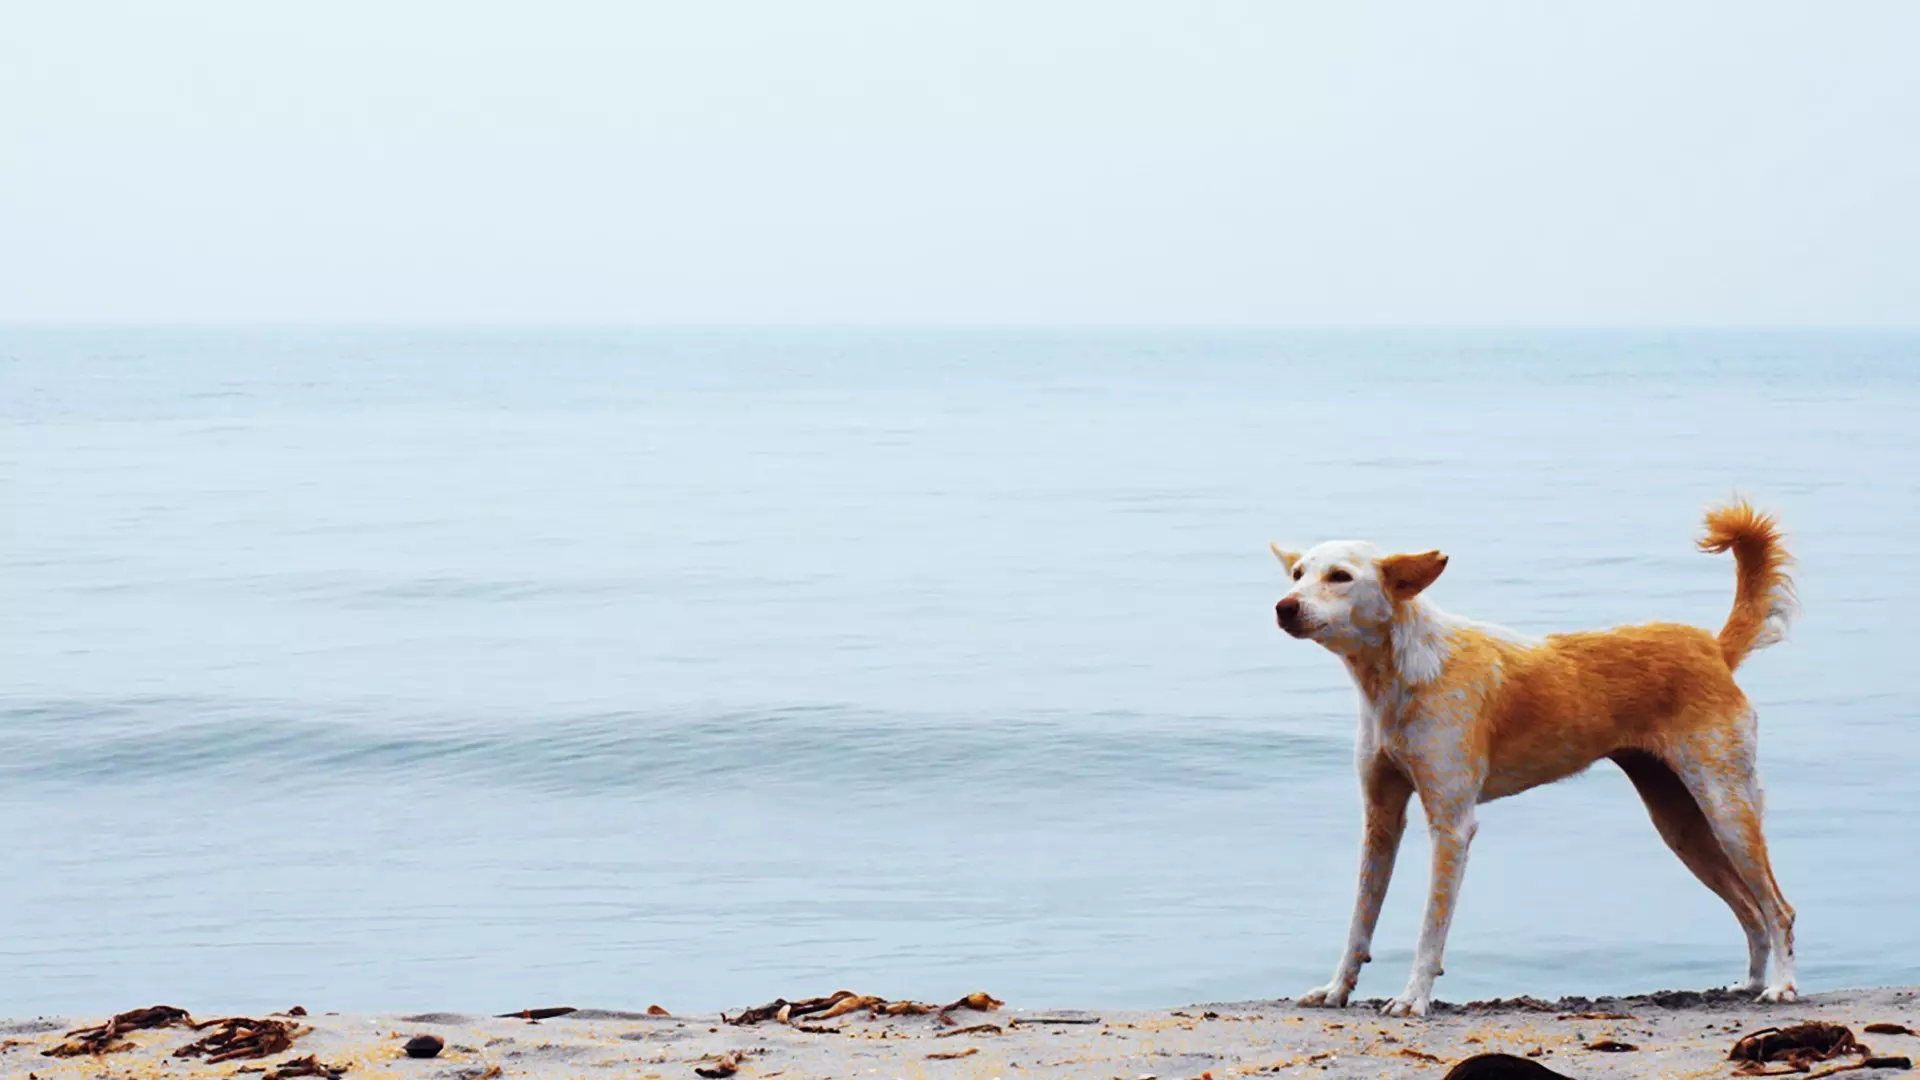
1288	612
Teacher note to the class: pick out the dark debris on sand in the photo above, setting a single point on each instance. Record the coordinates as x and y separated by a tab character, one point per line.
1704	1000
1502	1067
534	1016
306	1066
241	1037
843	1002
105	1038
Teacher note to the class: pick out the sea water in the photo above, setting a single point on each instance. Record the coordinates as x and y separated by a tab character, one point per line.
494	668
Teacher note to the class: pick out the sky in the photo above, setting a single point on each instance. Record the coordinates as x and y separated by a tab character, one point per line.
883	161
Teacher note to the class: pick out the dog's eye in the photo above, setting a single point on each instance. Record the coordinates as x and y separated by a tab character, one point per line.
1339	577
1298	571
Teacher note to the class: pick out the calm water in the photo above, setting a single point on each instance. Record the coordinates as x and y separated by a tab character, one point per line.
406	669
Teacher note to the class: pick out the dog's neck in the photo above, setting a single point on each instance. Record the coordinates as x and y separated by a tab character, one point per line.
1409	651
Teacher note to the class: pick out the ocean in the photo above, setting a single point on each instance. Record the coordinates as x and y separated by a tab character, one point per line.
390	669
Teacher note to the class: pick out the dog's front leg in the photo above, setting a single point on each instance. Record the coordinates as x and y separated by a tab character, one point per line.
1450	820
1386	791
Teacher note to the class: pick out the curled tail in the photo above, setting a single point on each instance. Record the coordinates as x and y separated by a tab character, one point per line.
1763	600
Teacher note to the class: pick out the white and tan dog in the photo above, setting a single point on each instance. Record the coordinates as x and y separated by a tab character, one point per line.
1463	713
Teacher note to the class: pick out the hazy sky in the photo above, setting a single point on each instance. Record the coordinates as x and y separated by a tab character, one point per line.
890	161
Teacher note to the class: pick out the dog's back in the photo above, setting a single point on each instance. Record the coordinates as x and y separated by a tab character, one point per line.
1556	707
1577	698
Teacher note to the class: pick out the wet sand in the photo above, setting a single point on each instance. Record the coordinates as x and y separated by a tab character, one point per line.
1671	1035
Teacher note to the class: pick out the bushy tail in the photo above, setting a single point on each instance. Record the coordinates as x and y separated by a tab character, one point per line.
1763	601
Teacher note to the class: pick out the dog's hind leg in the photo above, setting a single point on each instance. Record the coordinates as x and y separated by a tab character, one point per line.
1717	764
1687	832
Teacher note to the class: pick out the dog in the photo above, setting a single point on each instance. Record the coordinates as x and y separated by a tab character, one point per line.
1461	713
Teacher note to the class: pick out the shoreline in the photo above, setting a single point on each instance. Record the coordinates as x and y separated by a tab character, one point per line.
1680	1034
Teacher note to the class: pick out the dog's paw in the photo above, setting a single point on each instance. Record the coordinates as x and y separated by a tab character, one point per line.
1778	995
1748	987
1405	1005
1330	996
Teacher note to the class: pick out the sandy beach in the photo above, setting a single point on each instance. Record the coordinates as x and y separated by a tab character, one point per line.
1679	1034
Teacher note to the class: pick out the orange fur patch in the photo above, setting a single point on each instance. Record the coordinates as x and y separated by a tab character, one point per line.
1760	560
1406	576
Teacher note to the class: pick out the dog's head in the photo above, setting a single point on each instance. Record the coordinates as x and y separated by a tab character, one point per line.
1345	592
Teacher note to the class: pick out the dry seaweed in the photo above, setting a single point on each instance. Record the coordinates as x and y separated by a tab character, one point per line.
772	1010
105	1038
977	1029
816	1029
978	1001
310	1065
845	1005
726	1065
241	1037
954	1054
1889	1029
844	1002
1612	1046
1799	1047
1866	1063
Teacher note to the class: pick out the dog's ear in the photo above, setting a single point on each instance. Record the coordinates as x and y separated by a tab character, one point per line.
1287	558
1407	575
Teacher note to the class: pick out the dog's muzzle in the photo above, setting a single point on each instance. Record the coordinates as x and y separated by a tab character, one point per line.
1287	612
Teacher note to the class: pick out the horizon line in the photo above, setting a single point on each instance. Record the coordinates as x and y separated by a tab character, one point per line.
982	326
